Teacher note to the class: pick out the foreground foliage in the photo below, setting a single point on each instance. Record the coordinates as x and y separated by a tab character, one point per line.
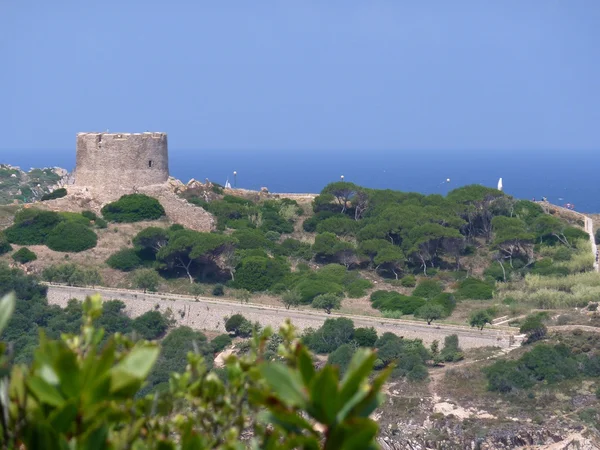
80	394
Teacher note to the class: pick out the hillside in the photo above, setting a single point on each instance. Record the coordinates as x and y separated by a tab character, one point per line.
476	258
26	187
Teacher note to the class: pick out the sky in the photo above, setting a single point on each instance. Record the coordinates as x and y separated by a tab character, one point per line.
296	75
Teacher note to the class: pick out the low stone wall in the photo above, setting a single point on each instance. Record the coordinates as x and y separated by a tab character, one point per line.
207	314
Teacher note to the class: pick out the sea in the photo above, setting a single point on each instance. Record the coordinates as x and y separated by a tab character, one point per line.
562	177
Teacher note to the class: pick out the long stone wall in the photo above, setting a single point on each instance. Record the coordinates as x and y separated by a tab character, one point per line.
206	314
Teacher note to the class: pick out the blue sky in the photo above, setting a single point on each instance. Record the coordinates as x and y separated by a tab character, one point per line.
293	75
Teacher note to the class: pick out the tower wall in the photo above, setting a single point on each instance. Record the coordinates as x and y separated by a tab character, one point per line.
121	160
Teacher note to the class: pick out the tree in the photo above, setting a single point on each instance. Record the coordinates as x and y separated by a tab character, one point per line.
243	295
291	298
332	334
327	302
146	279
512	238
360	203
477	203
257	273
153	238
324	245
546	225
480	318
430	312
341	357
534	328
5	247
342	191
389	258
238	325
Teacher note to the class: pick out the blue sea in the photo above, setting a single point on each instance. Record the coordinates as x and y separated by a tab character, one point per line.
562	177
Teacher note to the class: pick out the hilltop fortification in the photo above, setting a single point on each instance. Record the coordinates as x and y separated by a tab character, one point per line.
121	160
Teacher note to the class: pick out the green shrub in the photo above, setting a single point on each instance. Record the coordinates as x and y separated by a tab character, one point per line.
534	328
358	288
272	236
309	289
5	246
365	337
101	223
340	225
90	215
408	281
446	301
295	248
474	289
546	363
451	351
563	254
218	290
394	301
220	343
125	260
410	356
332	334
427	289
250	238
151	325
57	193
258	274
341	357
24	255
238	325
71	237
32	227
146	279
72	274
133	208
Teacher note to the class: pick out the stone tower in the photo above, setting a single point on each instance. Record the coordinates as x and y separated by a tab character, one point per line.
121	160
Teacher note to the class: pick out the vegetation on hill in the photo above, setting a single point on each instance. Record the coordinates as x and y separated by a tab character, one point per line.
57	193
63	232
26	187
133	208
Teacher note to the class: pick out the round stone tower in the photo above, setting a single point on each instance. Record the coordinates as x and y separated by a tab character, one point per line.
121	160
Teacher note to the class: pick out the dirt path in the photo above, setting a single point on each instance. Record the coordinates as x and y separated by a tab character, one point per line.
208	313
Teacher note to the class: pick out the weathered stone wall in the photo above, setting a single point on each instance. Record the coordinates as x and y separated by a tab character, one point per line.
121	160
207	314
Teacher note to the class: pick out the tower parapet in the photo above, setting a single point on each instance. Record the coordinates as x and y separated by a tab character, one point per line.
121	160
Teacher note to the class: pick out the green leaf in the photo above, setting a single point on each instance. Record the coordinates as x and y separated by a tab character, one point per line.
96	439
324	395
63	418
305	364
7	307
44	392
358	371
134	368
360	435
285	383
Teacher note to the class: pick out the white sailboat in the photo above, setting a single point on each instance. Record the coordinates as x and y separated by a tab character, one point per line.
227	184
500	184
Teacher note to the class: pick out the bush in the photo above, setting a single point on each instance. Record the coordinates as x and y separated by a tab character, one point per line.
256	273
309	289
272	236
72	274
365	337
295	248
451	351
341	357
133	208
218	290
90	215
410	356
71	237
5	246
151	325
238	325
394	301
57	193
220	343
125	260
534	328
474	289
358	288
332	334
446	301
32	227
408	281
543	363
427	289
24	255
250	238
